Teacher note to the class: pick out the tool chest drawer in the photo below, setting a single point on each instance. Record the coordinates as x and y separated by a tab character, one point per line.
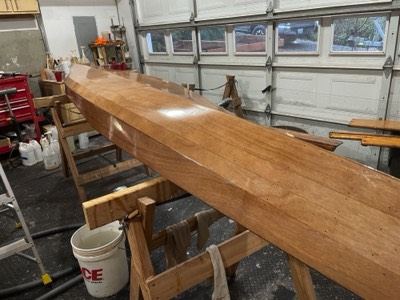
21	102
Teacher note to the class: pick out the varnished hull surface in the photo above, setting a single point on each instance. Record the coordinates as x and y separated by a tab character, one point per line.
335	215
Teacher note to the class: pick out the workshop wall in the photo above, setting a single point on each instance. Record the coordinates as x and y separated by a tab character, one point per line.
22	48
58	22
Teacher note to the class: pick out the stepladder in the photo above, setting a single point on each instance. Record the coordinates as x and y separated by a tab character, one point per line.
24	244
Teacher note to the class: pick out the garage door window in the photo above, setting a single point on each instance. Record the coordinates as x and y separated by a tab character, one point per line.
182	41
250	38
297	36
359	34
156	42
213	40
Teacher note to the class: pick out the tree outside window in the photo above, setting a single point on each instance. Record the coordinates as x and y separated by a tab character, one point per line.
359	34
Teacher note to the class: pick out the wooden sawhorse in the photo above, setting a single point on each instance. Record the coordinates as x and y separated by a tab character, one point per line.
69	159
136	207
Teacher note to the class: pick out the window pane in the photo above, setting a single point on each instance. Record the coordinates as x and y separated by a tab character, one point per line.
297	36
359	34
250	38
213	40
182	41
156	42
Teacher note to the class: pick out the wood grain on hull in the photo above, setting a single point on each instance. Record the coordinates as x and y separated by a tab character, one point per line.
333	214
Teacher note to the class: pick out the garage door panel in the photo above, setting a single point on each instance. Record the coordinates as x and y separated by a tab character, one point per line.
326	96
394	100
284	5
172	73
250	83
152	12
209	9
158	71
296	89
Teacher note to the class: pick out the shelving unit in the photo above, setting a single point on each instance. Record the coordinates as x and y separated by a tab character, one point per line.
105	53
21	104
19	6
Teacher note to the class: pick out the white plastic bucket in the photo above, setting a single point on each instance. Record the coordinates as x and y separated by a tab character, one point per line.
102	258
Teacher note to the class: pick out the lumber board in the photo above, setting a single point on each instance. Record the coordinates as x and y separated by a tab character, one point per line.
115	206
302	279
382	141
316	140
50	100
108	171
193	271
347	135
140	258
318	207
376	124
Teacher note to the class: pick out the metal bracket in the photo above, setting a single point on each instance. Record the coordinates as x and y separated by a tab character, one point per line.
268	64
191	19
268	110
388	66
270	8
195	60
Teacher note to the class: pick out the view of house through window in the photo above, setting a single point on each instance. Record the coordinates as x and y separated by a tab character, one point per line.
359	34
250	38
156	42
182	41
213	40
297	36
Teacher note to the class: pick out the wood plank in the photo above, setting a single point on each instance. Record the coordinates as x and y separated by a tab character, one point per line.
49	100
316	140
193	271
140	257
115	206
316	206
74	128
302	279
381	141
376	124
346	135
108	171
160	238
147	208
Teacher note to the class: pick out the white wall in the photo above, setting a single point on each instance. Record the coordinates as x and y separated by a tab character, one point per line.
57	18
125	14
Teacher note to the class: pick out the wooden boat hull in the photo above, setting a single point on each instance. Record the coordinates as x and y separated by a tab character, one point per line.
335	215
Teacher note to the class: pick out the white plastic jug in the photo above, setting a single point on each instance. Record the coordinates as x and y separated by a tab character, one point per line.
56	147
37	150
44	141
83	140
27	154
50	158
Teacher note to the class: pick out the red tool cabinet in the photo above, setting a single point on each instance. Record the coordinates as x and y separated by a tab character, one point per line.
21	104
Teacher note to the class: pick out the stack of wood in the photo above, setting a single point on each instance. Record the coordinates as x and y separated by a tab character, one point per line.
391	139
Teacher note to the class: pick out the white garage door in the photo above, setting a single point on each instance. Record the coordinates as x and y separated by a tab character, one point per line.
320	63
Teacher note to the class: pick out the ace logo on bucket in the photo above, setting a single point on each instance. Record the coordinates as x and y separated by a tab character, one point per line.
95	275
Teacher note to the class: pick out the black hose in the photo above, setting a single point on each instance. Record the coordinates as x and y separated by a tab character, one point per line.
40	234
59	274
26	286
61	288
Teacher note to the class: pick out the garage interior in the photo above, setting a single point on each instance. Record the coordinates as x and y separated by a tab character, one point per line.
313	84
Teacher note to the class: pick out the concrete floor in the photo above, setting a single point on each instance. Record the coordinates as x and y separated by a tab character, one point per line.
47	200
